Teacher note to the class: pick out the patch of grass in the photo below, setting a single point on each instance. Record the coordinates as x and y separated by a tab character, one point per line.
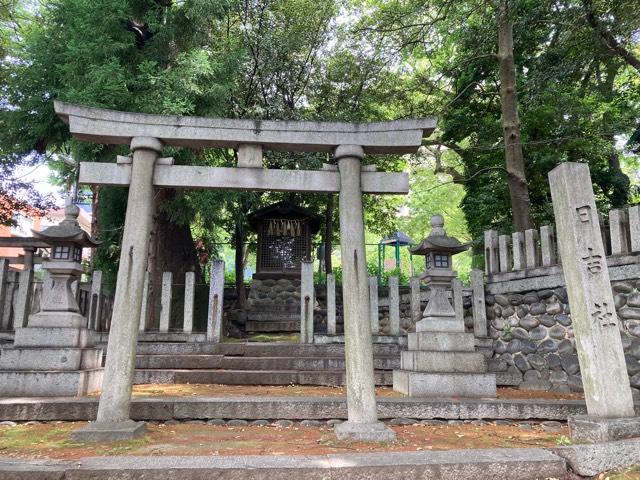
632	473
29	436
125	447
275	337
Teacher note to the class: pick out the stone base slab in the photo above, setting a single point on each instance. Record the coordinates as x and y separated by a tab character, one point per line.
504	464
441	341
54	337
443	362
435	324
291	408
43	358
109	431
322	338
273	325
423	384
590	460
588	429
49	383
57	319
364	432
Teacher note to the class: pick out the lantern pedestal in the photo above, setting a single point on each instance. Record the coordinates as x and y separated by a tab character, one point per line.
54	354
441	360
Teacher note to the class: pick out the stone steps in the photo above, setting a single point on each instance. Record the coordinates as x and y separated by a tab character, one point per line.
254	363
223	362
270	326
250	377
267	349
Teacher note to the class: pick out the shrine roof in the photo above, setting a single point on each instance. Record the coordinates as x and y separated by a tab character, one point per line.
285	210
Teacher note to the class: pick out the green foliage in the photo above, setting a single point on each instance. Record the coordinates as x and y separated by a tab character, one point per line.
577	99
563	441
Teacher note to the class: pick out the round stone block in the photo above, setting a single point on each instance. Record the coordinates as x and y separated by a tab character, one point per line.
547	320
538	309
537	361
529	322
558	332
554	362
538	333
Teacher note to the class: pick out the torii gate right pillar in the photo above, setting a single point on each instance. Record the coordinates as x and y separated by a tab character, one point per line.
362	421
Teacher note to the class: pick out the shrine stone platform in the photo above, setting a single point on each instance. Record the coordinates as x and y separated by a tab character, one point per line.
162	408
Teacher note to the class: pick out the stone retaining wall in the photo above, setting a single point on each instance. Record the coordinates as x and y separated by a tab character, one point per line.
533	336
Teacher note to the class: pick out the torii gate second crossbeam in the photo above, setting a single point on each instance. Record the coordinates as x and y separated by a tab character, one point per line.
148	134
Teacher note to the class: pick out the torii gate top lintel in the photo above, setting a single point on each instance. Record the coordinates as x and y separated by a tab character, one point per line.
114	127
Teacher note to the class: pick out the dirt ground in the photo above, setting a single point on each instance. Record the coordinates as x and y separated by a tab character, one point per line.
184	390
52	440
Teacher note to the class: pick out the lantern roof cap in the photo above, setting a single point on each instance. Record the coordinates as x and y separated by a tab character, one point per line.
285	210
439	241
68	230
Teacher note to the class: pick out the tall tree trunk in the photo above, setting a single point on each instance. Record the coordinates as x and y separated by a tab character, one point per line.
514	159
241	302
171	249
328	234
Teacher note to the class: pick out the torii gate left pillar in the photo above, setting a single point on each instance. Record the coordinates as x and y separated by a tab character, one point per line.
113	421
148	133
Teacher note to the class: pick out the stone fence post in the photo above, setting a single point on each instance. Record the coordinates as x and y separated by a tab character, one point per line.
216	298
307	301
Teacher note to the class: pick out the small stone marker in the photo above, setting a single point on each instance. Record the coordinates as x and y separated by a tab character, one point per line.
167	296
504	243
394	305
23	300
4	280
548	245
517	240
189	296
7	307
95	307
531	248
634	227
595	322
307	301
479	309
373	305
618	222
331	304
216	294
491	247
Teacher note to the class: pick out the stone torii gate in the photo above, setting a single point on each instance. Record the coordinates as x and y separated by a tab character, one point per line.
148	134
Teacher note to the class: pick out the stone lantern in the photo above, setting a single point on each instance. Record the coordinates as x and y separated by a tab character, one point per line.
438	249
441	360
54	353
59	307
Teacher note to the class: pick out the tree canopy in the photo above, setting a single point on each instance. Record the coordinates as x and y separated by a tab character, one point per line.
574	96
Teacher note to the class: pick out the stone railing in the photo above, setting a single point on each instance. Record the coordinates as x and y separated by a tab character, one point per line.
394	310
21	294
182	327
537	248
528	309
